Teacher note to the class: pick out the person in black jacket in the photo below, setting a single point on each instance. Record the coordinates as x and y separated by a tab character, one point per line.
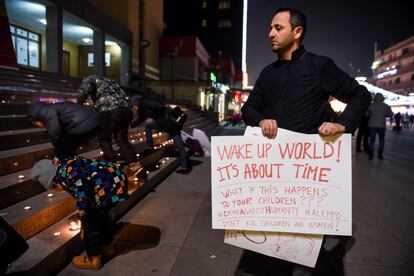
293	91
154	112
68	125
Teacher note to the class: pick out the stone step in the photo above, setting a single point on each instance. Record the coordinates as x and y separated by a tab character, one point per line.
22	137
54	247
15	95
15	157
13	109
34	214
14	122
22	158
17	186
205	123
194	120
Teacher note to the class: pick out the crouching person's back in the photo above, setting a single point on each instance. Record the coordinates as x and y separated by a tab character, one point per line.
97	186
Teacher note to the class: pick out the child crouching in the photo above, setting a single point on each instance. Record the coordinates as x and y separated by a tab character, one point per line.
97	186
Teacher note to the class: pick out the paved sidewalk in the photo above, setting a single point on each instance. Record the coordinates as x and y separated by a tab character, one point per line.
169	232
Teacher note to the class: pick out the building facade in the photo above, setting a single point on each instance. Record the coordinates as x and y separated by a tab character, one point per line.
217	23
117	39
393	68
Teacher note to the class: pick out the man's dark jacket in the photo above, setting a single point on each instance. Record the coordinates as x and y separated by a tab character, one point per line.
150	108
69	118
296	92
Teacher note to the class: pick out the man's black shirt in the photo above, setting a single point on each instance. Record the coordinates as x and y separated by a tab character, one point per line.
296	92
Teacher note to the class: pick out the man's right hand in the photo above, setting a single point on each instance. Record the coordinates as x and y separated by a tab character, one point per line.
269	128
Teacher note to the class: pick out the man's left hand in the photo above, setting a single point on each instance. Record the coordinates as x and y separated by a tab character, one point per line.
331	129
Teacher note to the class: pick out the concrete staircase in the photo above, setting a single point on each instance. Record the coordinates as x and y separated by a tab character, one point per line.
42	218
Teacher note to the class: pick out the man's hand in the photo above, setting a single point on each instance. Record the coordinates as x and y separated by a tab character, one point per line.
269	128
331	129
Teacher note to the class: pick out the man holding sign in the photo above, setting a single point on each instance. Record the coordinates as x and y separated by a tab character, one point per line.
293	92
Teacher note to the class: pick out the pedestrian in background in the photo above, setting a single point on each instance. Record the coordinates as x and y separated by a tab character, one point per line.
406	121
397	118
68	125
363	135
112	103
97	186
377	112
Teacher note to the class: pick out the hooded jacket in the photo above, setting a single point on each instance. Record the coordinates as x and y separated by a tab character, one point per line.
106	94
65	117
94	184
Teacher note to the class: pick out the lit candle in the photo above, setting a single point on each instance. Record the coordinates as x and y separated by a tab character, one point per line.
74	226
57	234
50	195
20	176
27	207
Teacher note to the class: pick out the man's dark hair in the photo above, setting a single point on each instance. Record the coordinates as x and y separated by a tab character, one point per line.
297	18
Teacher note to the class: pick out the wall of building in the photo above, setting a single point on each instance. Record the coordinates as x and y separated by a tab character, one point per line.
114	9
73	59
182	90
183	68
153	28
397	65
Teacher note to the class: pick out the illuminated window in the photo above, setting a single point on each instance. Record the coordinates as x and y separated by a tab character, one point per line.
26	46
107	59
204	23
204	5
226	23
224	5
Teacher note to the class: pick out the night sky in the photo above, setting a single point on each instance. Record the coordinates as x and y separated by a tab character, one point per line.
342	30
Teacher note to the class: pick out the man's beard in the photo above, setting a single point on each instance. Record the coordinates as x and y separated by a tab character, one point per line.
284	48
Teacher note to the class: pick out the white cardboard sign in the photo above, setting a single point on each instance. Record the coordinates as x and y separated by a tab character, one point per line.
298	248
295	183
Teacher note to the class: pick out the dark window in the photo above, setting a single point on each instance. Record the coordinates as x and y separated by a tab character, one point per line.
412	77
405	51
397	80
